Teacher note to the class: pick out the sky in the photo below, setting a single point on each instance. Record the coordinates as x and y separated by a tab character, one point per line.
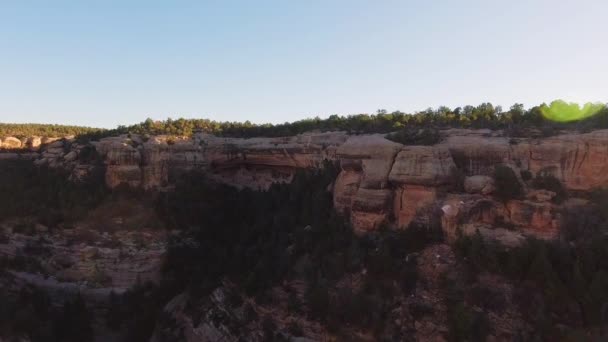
105	63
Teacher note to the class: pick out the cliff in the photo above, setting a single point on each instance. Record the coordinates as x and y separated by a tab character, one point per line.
450	186
381	182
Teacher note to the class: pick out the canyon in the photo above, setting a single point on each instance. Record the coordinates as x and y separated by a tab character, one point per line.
381	184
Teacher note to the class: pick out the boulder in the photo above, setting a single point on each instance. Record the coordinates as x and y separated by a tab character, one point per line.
479	184
89	253
34	143
10	142
538	219
70	156
40	228
540	195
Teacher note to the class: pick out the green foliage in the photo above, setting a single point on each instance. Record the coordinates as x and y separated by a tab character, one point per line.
43	130
526	175
45	193
30	314
73	322
415	136
136	312
600	199
507	184
561	283
317	298
259	239
547	181
516	122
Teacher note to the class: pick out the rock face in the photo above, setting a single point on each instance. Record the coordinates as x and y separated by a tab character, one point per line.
10	143
32	143
255	163
362	190
113	262
380	182
479	185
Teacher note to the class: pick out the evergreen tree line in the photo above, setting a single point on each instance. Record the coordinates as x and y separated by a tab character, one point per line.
42	130
516	121
46	194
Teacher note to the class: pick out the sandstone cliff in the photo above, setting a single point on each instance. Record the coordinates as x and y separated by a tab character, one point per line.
381	182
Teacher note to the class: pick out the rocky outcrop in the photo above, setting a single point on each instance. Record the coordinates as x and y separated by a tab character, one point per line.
479	185
256	163
114	261
33	143
10	143
380	182
362	190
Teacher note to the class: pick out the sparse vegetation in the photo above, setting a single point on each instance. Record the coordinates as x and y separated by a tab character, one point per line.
548	181
415	136
560	285
507	185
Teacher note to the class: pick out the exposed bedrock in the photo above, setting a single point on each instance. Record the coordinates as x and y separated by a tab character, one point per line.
380	182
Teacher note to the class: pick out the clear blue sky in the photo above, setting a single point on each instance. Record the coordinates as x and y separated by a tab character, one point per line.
104	63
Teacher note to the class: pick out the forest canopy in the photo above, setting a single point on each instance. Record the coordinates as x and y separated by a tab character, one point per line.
43	130
557	115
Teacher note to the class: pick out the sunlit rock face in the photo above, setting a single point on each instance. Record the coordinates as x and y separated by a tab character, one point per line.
580	161
380	182
255	163
10	143
363	191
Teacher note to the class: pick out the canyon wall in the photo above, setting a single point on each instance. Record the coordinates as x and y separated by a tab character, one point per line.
380	182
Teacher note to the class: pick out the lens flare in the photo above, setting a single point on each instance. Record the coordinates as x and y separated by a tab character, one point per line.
562	111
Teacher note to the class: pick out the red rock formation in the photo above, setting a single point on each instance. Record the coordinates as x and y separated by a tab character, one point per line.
381	182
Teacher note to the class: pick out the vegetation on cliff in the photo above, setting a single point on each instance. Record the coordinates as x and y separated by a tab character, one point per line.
45	194
289	232
517	121
43	130
30	315
258	240
560	285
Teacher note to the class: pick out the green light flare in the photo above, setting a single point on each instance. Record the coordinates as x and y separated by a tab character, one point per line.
562	111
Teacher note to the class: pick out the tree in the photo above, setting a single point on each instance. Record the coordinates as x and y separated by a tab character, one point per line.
507	183
73	322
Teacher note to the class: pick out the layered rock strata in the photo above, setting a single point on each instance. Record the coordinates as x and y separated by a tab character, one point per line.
380	182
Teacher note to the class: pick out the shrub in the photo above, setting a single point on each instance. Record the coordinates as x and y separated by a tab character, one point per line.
295	329
526	175
549	182
507	184
293	302
269	327
599	197
46	193
317	299
74	322
415	136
